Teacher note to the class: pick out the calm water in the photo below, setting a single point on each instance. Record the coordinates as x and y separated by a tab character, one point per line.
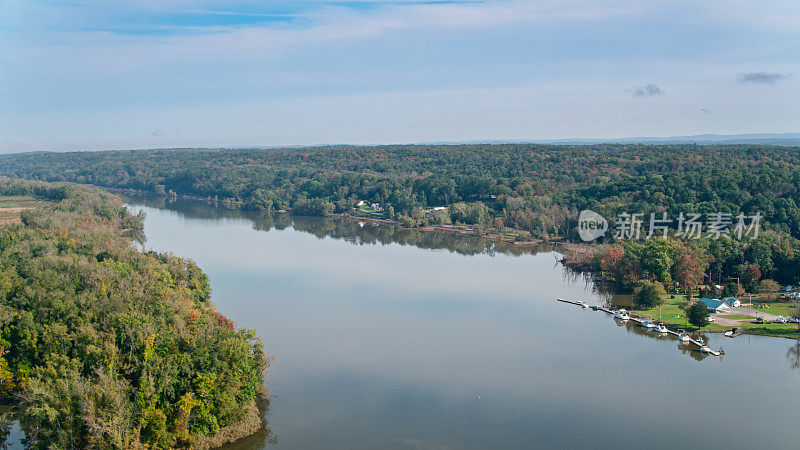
389	338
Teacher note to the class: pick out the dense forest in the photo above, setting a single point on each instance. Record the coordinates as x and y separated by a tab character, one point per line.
102	345
537	190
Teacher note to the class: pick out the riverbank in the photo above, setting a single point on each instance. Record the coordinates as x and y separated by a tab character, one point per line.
672	314
251	422
507	235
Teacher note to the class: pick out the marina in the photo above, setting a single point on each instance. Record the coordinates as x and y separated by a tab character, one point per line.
648	324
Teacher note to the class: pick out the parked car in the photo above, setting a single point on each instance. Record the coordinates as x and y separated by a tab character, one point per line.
793	319
781	319
711	318
759	319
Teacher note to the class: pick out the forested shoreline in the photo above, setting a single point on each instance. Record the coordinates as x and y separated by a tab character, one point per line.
102	345
535	190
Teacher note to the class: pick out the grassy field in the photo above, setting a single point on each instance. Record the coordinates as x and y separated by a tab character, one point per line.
779	309
672	313
12	206
774	329
736	317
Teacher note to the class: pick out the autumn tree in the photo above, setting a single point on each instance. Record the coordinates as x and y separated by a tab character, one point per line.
689	268
749	274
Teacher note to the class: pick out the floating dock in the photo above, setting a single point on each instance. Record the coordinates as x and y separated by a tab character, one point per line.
640	321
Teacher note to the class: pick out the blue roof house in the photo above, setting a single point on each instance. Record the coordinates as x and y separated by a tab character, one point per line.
715	306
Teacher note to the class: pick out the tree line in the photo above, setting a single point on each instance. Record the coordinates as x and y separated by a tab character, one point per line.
537	190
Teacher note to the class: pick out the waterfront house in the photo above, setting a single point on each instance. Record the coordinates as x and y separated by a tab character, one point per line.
733	302
715	306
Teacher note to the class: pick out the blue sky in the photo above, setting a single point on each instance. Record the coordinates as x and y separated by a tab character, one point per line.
91	74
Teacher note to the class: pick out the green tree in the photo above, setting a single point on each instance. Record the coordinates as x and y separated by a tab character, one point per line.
730	290
769	287
697	314
649	294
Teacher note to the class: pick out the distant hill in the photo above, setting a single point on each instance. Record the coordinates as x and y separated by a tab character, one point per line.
702	139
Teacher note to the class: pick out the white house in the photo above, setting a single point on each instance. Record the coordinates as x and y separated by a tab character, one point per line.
733	302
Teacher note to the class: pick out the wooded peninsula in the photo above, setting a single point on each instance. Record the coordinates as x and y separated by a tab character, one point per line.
105	346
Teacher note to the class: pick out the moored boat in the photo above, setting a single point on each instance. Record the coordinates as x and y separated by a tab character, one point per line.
621	314
733	332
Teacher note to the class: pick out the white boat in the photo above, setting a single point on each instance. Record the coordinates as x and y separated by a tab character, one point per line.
660	328
648	324
684	337
621	314
584	305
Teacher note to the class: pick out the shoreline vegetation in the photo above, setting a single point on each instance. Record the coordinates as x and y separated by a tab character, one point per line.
578	258
535	191
102	345
514	193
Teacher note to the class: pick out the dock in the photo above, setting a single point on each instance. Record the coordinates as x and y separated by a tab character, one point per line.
640	321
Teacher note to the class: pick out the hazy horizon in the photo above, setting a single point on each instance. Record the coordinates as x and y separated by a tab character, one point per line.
89	75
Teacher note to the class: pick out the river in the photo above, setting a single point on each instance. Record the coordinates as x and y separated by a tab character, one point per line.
393	338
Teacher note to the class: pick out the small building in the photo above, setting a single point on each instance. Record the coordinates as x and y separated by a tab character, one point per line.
715	306
732	302
788	288
361	203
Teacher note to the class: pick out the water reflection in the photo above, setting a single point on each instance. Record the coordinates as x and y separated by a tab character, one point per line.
380	345
354	231
6	420
261	438
686	348
11	436
793	354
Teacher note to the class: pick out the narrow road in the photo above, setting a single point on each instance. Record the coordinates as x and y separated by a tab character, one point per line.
725	322
754	313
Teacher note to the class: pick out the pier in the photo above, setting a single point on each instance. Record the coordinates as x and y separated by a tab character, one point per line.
640	321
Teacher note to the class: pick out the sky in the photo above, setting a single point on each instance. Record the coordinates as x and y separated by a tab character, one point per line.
99	74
